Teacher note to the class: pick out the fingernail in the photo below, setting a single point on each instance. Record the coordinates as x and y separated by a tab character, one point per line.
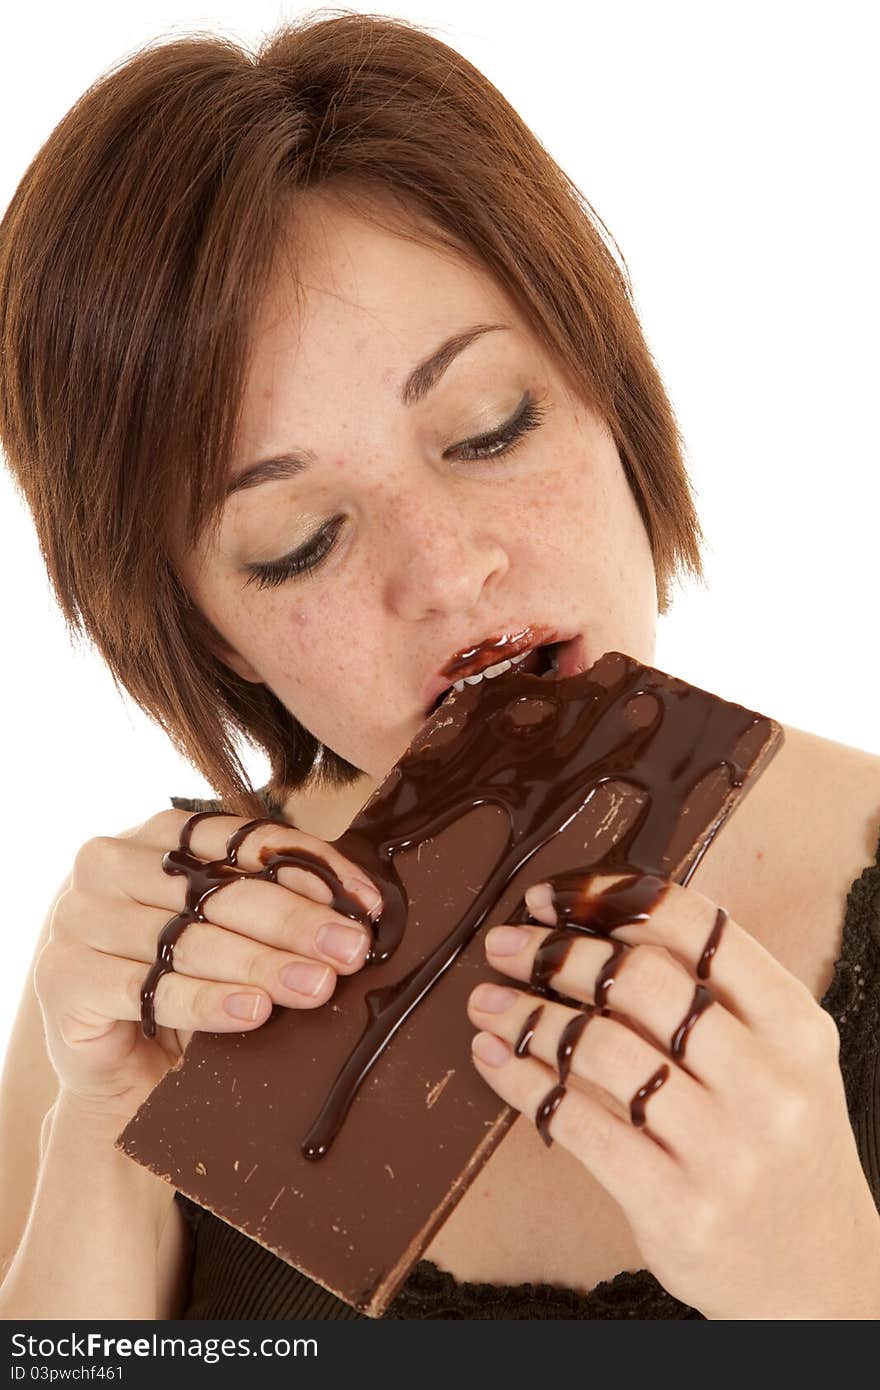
506	941
248	1006
540	903
493	999
491	1050
368	894
341	942
540	895
304	978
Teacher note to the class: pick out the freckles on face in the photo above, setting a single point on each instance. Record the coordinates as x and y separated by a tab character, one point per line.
440	550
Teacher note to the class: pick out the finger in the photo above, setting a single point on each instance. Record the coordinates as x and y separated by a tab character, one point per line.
212	837
613	1150
261	911
133	869
292	978
278	914
643	983
598	1048
745	977
89	987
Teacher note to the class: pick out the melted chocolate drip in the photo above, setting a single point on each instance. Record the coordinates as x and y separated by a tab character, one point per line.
550	957
569	1039
545	1112
620	904
644	1093
711	945
607	975
700	1002
539	751
521	1047
203	879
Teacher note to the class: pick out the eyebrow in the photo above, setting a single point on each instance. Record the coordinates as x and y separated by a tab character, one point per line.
422	379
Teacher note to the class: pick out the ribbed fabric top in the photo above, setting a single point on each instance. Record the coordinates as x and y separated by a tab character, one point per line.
235	1277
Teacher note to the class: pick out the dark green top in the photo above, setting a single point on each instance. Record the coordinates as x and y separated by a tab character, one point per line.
235	1277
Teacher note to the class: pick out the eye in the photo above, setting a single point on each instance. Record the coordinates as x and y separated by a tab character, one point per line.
314	552
301	561
528	417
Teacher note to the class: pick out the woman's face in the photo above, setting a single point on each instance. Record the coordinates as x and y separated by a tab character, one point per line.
419	544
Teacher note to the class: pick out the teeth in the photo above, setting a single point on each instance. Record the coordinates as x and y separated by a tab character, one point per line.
488	674
492	671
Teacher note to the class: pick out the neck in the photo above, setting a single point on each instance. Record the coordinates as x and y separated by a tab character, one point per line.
326	812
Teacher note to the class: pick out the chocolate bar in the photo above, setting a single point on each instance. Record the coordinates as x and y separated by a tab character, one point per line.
341	1138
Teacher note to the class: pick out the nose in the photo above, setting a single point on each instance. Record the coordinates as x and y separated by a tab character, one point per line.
440	559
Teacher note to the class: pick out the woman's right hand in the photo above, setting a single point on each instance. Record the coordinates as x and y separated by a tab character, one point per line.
262	944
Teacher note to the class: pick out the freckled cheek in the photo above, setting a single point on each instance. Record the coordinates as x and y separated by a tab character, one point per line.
562	503
328	641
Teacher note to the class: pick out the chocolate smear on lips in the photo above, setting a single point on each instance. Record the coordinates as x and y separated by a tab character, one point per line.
495	649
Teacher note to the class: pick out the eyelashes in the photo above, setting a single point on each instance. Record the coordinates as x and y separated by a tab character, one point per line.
502	441
308	557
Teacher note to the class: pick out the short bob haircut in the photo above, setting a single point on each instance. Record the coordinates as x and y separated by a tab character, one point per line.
134	258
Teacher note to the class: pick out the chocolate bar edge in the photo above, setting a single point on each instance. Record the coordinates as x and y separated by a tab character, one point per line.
377	1300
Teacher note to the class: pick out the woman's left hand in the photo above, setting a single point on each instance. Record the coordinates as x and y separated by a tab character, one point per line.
743	1186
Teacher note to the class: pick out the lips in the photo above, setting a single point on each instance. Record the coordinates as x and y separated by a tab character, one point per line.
470	661
494	649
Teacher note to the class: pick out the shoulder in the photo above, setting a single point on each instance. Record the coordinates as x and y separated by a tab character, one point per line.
785	863
832	791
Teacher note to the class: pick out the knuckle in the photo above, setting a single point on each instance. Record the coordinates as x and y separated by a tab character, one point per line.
96	859
614	1048
162	828
51	965
192	945
292	921
647	967
824	1038
582	1125
66	915
204	997
812	1032
681	910
254	966
85	859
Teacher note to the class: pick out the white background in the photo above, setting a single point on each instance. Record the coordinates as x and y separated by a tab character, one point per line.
731	149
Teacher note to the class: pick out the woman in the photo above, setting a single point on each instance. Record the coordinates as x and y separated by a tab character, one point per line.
317	372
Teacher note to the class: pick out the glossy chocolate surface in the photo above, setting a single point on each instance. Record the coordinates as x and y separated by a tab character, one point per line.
341	1138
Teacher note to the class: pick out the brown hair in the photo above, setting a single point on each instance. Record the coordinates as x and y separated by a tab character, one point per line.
134	257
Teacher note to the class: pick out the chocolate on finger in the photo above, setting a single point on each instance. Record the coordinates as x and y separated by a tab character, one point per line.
623	768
